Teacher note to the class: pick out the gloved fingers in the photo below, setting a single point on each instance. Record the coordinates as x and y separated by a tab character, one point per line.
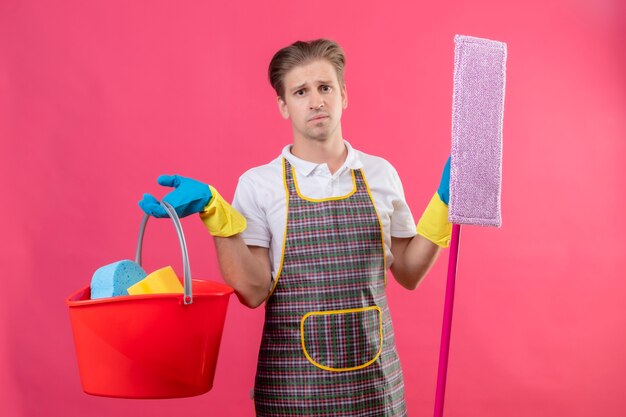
151	206
155	210
184	208
169	180
148	199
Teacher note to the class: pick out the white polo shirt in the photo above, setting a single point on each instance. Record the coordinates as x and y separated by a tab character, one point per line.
261	197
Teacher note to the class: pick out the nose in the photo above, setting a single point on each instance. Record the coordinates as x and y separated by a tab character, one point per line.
317	101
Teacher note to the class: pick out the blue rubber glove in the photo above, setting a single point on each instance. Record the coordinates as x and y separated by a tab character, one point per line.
189	197
444	184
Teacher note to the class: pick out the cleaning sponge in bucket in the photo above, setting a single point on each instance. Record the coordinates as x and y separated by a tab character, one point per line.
161	281
113	279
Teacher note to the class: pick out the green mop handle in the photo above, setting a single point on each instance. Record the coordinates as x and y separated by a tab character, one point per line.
444	349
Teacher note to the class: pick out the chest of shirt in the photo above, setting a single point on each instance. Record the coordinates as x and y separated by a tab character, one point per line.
322	184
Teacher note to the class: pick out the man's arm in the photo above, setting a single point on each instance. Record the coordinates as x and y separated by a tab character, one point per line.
412	259
245	268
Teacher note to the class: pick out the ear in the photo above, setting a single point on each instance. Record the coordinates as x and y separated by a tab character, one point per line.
282	108
344	97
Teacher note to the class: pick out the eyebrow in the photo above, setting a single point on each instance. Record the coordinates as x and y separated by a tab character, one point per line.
324	82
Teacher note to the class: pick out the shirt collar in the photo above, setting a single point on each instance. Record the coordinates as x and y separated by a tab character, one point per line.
307	167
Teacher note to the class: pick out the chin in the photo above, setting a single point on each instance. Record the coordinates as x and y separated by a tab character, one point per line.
319	138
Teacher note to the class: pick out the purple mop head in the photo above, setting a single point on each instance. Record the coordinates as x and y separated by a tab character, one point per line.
477	114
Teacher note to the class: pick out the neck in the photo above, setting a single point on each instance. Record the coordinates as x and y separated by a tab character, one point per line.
332	151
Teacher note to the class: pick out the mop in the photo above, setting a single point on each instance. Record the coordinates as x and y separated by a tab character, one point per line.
476	159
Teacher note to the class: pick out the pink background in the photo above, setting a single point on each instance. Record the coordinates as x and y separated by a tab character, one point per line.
99	98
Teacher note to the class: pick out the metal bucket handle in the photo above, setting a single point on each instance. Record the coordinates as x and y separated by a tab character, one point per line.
188	296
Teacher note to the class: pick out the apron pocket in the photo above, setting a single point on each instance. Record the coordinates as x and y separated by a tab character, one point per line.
342	340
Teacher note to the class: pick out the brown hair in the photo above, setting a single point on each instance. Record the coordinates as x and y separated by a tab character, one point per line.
302	53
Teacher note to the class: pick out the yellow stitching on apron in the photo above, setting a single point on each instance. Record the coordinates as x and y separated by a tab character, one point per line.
350	310
319	200
380	224
282	256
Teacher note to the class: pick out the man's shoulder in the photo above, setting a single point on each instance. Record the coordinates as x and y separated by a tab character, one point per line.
374	163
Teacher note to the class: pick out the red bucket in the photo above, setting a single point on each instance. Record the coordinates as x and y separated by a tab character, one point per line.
150	346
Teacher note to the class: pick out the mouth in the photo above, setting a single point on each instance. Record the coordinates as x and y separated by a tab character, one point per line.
318	117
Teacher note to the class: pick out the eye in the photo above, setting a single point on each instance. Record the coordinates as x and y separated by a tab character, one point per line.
299	92
326	88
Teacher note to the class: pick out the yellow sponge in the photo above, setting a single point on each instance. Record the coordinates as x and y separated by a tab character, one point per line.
161	281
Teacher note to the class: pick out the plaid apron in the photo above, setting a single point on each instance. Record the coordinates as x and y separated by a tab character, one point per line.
328	346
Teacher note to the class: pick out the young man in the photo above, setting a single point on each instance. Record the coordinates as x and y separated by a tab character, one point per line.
312	234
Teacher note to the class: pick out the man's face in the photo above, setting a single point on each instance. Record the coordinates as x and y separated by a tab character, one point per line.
313	100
